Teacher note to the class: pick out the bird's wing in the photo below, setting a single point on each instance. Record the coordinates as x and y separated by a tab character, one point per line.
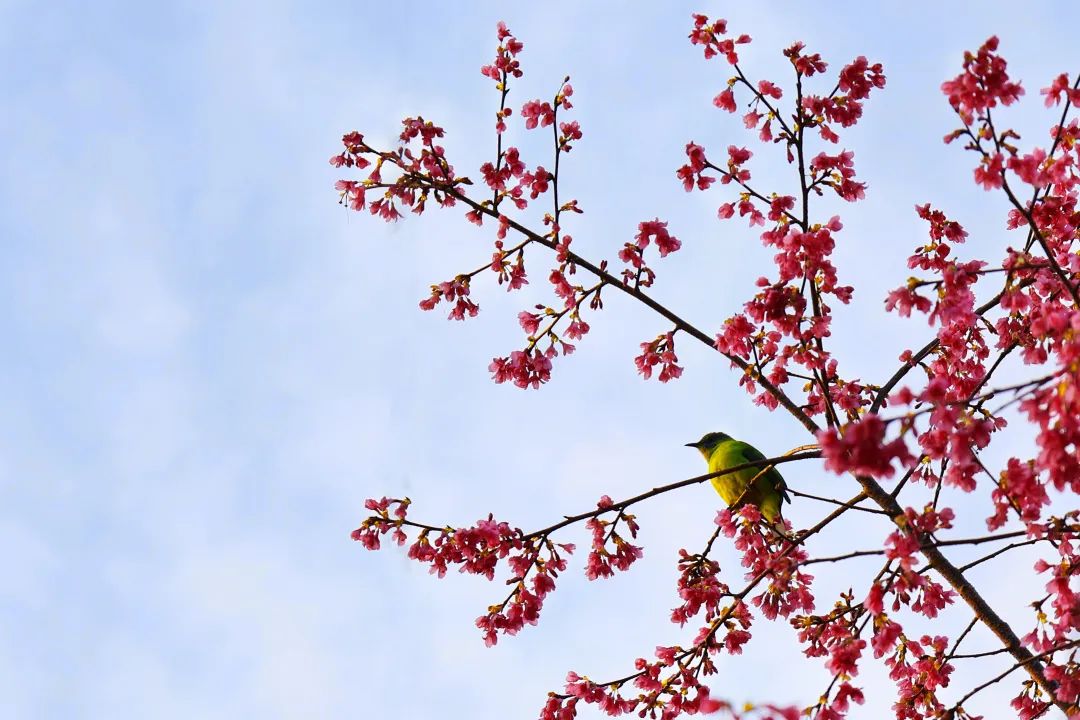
752	454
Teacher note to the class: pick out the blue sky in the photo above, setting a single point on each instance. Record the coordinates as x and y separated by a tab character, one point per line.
210	364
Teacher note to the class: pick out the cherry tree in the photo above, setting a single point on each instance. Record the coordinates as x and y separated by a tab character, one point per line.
899	441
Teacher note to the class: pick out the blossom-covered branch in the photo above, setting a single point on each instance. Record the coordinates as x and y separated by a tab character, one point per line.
937	426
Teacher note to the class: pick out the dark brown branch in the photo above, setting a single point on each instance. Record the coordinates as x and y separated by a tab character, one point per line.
1023	210
902	372
949	572
963	587
846	556
1032	660
1022	389
644	299
623	504
739	596
987	653
937	543
980	539
1000	551
819	498
956	645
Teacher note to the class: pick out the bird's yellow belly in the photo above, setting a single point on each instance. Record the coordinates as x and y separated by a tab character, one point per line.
729	487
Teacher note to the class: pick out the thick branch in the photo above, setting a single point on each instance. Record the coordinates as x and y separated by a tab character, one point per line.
963	587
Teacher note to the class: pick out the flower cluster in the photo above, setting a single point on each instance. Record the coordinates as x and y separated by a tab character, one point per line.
693	173
672	685
511	273
498	177
602	561
958	365
504	67
534	560
919	669
660	351
860	448
531	367
423	172
768	555
455	291
835	637
838	172
522	606
633	254
710	35
1059	625
656	231
389	516
983	84
524	368
907	585
505	63
844	106
1059	88
683	694
699	587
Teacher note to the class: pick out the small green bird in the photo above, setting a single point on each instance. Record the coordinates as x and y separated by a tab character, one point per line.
769	490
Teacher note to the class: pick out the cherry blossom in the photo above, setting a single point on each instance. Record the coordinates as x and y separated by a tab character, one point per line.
913	445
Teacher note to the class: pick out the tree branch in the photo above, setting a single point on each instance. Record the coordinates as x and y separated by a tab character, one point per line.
963	587
623	504
637	294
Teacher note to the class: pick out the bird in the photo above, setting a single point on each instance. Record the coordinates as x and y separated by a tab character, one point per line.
769	491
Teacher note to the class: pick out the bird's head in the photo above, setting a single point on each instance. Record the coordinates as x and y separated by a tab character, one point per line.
709	442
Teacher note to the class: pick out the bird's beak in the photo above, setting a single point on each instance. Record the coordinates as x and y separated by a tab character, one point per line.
693	444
